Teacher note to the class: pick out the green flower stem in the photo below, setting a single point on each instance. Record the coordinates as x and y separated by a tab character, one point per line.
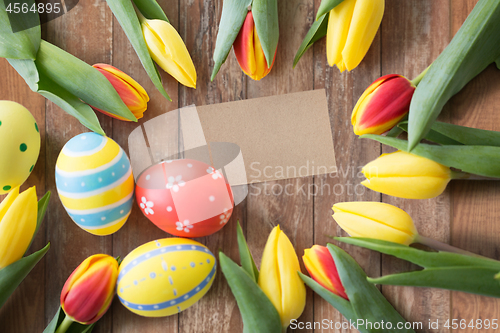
420	76
66	323
440	246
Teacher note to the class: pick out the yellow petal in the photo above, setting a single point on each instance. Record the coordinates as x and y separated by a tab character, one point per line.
408	187
169	51
18	227
339	20
7	202
375	220
404	164
269	279
293	290
366	20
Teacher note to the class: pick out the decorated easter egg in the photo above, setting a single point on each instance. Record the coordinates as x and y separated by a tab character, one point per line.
95	183
186	197
19	145
165	276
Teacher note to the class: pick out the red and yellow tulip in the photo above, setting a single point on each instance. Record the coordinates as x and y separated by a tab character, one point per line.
383	104
18	215
248	51
89	290
132	93
321	267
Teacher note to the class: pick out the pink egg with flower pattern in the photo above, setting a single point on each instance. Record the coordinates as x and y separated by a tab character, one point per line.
186	197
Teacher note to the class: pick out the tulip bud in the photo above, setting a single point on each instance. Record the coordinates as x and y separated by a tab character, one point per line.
132	93
405	175
383	104
278	277
352	26
321	267
375	220
248	51
89	290
18	219
168	50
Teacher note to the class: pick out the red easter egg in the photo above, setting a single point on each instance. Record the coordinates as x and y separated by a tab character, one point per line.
186	198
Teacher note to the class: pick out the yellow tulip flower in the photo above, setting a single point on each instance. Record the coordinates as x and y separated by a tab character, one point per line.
405	175
278	277
167	49
375	220
18	218
352	26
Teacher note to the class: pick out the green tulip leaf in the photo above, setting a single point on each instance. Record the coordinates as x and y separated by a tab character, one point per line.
474	47
316	32
151	10
74	328
28	71
326	6
81	80
449	134
479	160
12	275
232	18
43	203
421	258
246	258
127	17
20	33
71	104
257	311
339	303
497	62
39	82
367	301
432	135
265	16
473	279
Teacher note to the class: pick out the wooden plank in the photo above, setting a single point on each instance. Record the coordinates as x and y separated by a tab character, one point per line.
406	29
89	40
24	310
343	90
287	203
138	229
475	203
198	24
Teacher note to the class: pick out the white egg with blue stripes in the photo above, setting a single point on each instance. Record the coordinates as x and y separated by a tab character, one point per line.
95	183
165	276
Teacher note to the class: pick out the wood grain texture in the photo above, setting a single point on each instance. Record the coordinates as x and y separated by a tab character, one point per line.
475	203
412	35
343	91
407	49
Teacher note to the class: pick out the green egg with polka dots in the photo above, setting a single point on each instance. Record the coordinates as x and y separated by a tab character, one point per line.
19	145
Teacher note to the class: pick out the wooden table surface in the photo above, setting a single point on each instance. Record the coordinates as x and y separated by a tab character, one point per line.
412	34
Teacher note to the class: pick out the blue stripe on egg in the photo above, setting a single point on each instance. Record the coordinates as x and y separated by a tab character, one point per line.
160	251
100	216
93	179
93	141
175	301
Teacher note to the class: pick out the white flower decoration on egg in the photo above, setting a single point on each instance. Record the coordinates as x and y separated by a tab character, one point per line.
146	205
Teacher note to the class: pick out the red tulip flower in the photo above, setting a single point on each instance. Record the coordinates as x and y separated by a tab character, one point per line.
89	290
248	51
132	93
382	105
321	267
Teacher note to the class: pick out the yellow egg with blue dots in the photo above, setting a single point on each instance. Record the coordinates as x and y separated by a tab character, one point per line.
95	183
19	145
165	276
